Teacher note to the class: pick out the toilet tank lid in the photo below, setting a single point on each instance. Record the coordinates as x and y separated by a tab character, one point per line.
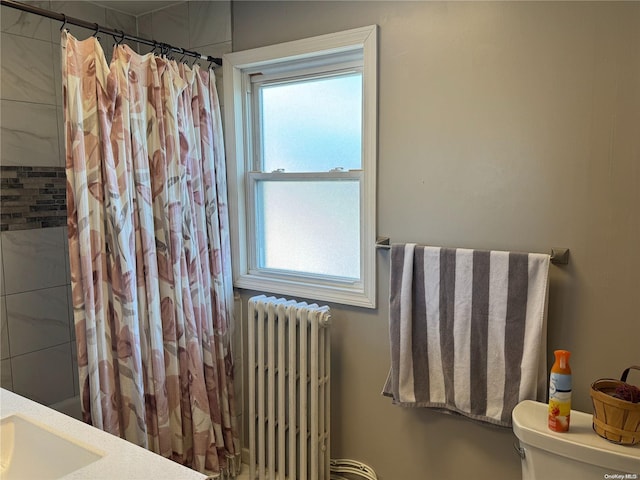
580	443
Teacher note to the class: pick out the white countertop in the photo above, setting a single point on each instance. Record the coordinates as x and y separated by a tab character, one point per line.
121	459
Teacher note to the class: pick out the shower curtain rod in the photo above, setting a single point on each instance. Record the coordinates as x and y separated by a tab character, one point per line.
118	35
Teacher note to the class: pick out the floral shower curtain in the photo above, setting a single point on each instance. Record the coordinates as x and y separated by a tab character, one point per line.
149	252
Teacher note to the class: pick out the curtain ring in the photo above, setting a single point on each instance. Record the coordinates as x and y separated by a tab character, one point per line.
119	42
64	21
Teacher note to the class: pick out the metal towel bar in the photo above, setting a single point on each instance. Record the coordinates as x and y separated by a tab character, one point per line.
559	256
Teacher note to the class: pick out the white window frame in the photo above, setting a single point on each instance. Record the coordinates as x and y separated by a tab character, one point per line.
311	54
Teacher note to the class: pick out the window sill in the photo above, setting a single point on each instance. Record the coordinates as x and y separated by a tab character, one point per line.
345	293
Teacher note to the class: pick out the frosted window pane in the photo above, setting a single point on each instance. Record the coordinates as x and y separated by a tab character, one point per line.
312	125
310	227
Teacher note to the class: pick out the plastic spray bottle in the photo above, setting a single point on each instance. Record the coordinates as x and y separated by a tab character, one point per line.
560	392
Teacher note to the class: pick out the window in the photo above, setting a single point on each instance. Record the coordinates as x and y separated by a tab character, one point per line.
301	148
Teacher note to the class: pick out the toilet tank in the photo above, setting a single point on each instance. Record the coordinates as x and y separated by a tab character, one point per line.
577	454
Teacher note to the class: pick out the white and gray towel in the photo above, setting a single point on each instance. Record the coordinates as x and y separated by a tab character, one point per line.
467	330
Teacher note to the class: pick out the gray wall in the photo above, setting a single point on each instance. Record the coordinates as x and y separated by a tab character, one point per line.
511	126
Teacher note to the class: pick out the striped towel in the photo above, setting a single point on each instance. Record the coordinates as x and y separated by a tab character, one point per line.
467	330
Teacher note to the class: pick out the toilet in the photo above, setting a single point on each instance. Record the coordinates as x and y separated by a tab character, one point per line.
578	453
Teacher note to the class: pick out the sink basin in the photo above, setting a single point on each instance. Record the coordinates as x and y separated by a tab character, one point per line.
29	451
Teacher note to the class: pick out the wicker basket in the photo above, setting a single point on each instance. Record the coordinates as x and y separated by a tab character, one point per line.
615	419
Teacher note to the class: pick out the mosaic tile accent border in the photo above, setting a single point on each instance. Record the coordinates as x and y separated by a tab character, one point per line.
32	197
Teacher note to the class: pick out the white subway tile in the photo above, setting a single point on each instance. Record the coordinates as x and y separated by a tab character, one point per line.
1	268
84	10
27	24
44	376
62	147
33	259
38	319
171	25
72	327
74	367
29	134
6	380
57	73
120	21
4	332
27	70
209	23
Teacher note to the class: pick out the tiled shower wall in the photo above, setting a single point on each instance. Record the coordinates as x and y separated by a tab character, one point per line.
38	346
